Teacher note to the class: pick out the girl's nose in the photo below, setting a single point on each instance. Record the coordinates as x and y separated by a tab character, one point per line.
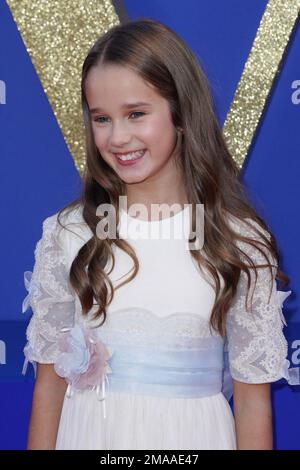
120	136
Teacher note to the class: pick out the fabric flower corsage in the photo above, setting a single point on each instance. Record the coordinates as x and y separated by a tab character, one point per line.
83	361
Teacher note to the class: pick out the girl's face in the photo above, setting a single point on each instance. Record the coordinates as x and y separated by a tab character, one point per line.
128	115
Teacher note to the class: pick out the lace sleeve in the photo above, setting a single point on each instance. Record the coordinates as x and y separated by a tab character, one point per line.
256	344
50	296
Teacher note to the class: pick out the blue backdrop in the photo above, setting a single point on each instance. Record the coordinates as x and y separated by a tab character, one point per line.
38	177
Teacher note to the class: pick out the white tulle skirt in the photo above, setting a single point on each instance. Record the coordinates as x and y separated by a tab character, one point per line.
136	422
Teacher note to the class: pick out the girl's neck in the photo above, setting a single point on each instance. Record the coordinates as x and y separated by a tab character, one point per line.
169	190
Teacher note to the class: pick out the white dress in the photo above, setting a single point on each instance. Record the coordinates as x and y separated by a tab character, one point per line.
166	387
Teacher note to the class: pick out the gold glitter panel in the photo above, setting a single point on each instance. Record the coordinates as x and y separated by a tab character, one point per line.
259	73
58	35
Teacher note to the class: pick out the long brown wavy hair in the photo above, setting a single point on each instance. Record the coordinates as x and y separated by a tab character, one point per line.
211	177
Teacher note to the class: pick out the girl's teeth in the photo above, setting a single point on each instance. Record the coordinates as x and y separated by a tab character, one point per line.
131	156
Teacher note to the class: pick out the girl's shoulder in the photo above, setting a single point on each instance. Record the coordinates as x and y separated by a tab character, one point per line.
252	230
68	225
247	227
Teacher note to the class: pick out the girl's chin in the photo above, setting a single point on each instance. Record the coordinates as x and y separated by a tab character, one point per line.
131	179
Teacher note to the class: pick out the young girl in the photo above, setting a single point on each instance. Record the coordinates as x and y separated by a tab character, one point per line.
140	338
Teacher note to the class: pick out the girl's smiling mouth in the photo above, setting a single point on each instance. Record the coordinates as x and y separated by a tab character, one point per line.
130	158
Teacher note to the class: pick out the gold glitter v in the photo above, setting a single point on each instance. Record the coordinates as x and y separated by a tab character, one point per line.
58	35
260	72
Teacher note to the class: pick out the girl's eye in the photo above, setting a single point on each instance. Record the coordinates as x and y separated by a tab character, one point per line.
103	117
98	119
138	112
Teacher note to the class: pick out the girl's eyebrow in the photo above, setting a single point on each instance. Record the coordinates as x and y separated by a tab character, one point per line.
124	106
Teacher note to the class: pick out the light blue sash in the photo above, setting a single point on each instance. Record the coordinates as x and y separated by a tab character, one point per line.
166	372
170	373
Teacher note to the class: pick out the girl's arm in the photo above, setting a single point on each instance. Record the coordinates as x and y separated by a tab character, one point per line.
253	416
47	403
53	305
257	346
